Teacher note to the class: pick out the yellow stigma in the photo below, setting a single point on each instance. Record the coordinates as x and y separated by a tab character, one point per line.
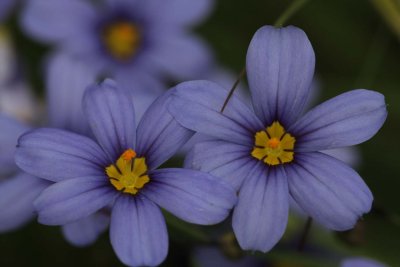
129	174
274	146
121	39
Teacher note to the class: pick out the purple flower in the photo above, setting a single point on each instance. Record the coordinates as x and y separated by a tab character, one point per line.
361	262
131	40
119	168
272	153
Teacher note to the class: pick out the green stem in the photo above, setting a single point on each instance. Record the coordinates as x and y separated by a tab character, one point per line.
289	12
242	73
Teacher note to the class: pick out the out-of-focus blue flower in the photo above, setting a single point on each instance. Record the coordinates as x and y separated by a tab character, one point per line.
272	153
120	169
361	262
18	190
131	41
5	8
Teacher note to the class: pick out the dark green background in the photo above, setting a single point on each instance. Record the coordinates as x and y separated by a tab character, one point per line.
354	49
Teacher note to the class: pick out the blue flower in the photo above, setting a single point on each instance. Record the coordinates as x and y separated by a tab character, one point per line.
131	40
272	153
119	168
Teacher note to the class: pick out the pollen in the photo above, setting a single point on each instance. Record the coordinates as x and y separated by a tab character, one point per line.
274	145
121	39
129	174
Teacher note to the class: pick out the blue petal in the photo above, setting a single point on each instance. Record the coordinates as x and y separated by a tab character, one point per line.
5	8
348	119
159	136
197	104
177	12
191	195
361	262
280	67
11	129
56	155
16	201
73	199
109	110
138	232
57	20
328	190
85	232
66	81
190	55
229	162
261	215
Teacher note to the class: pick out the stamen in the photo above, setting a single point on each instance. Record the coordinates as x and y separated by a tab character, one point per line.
121	39
274	145
129	174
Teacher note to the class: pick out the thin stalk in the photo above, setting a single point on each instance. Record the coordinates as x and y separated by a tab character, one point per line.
233	89
289	12
304	235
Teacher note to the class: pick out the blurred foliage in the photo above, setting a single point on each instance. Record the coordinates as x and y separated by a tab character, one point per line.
356	47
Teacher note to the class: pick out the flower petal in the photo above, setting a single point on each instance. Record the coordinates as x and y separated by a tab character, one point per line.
56	155
159	136
197	104
111	116
138	232
280	67
11	129
261	215
328	190
56	20
361	262
16	201
177	12
73	199
348	119
66	81
6	6
193	196
190	55
85	232
229	162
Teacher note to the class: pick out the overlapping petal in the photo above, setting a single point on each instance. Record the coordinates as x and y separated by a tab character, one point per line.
197	104
56	155
191	195
231	163
348	119
16	201
329	191
280	67
159	136
57	20
260	217
111	116
138	232
73	199
85	232
361	262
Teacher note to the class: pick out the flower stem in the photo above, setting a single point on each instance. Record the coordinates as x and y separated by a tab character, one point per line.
289	12
233	89
304	235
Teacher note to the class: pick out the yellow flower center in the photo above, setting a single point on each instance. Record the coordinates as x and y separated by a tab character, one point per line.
274	145
129	174
121	39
